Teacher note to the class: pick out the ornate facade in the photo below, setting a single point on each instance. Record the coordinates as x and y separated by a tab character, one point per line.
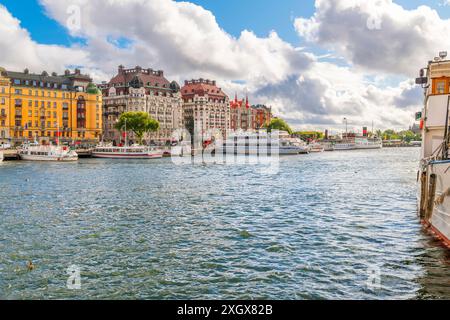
143	90
41	105
243	116
205	106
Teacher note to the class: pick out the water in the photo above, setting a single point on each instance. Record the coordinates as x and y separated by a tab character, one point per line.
152	230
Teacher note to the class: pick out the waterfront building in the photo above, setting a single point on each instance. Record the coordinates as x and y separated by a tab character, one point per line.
263	116
205	106
242	115
45	106
4	106
144	90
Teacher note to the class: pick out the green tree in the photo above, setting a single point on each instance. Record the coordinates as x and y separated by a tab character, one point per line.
139	123
279	124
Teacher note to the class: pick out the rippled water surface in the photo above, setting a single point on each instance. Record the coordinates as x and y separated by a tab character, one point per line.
153	230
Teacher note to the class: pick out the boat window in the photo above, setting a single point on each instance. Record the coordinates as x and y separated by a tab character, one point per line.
440	87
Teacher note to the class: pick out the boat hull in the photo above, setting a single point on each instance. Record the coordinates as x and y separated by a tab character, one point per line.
283	151
439	222
47	158
368	147
127	156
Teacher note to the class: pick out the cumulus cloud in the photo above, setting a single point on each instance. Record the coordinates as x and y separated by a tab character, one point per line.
181	36
18	50
380	36
186	41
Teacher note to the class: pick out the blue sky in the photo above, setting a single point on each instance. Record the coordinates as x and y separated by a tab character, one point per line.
260	16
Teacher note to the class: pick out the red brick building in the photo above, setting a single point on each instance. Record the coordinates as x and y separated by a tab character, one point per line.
242	115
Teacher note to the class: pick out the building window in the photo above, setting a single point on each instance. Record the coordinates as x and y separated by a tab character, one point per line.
17	81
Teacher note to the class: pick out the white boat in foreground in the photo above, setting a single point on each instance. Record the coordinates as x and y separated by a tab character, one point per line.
434	173
131	152
1	156
36	152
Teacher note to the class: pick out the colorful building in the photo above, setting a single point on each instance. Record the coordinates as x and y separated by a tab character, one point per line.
45	106
263	115
205	106
242	115
144	90
4	106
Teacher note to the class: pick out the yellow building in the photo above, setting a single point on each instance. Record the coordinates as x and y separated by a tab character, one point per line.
43	105
4	108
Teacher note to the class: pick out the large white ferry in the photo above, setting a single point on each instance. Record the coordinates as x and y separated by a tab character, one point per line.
368	143
261	143
434	173
36	152
130	152
344	146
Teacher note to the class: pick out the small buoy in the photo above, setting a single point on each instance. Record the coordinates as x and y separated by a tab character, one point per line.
30	266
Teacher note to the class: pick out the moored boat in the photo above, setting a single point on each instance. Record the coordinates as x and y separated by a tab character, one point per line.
344	146
434	175
365	143
261	143
130	152
36	152
316	148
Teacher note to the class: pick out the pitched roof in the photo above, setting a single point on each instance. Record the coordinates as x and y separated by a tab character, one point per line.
201	88
147	78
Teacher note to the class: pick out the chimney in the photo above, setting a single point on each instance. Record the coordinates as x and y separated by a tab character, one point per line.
121	68
214	82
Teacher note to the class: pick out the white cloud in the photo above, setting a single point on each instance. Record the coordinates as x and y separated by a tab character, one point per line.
186	41
19	51
379	36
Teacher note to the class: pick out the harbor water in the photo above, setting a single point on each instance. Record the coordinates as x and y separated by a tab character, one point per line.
338	225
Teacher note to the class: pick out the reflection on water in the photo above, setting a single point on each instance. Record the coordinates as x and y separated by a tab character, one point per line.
152	230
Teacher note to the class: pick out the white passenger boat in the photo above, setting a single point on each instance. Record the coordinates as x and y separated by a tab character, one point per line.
316	148
327	146
36	152
434	173
344	146
261	143
131	152
365	143
1	156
